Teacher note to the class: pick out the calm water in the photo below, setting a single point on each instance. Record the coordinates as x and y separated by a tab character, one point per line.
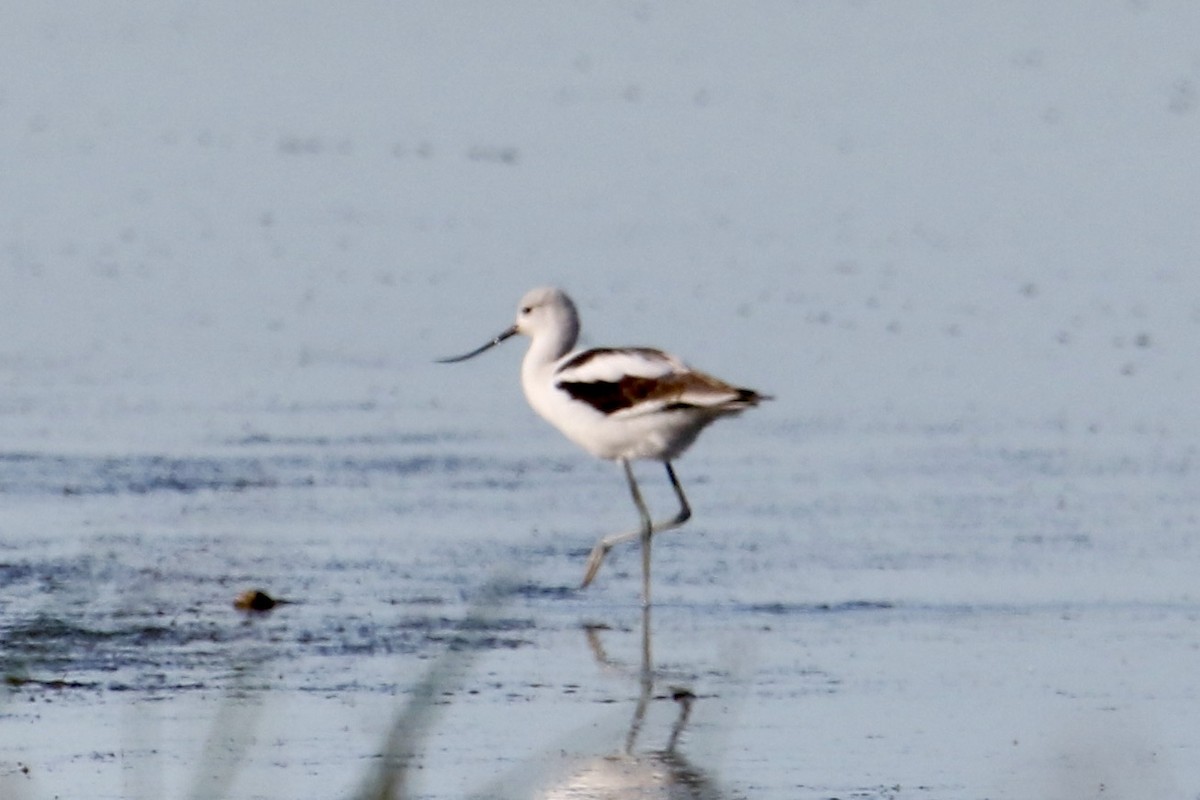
917	616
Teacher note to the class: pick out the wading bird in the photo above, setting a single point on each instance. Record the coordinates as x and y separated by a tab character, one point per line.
618	403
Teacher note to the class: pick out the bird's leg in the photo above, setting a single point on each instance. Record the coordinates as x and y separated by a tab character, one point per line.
685	511
647	530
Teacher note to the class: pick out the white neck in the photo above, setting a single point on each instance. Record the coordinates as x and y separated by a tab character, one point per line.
549	346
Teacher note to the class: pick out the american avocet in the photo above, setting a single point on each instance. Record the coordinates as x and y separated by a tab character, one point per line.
618	404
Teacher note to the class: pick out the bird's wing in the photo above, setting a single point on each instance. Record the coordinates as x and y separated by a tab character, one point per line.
611	364
640	380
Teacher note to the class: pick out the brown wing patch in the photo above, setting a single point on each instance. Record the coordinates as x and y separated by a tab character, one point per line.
608	397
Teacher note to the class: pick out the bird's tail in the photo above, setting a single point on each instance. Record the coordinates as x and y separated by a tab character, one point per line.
747	398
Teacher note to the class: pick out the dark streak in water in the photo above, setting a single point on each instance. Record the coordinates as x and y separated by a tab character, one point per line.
532	591
847	607
35	473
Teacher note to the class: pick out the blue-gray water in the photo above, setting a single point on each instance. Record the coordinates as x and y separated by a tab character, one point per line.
954	558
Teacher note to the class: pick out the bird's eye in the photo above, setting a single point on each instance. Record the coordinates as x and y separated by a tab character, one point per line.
526	309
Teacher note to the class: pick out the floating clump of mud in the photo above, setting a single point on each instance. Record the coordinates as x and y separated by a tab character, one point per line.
256	601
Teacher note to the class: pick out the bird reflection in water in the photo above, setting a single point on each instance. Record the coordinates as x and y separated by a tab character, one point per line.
629	774
633	774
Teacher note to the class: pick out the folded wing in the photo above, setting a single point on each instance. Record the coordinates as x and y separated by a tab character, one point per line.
641	380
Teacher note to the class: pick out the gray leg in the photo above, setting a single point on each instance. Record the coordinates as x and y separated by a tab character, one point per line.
644	532
685	511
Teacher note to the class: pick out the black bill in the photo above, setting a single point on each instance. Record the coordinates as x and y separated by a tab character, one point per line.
507	334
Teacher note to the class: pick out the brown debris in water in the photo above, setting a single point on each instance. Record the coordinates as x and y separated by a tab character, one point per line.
253	600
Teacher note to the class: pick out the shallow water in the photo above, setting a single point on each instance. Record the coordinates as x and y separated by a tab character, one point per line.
920	617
